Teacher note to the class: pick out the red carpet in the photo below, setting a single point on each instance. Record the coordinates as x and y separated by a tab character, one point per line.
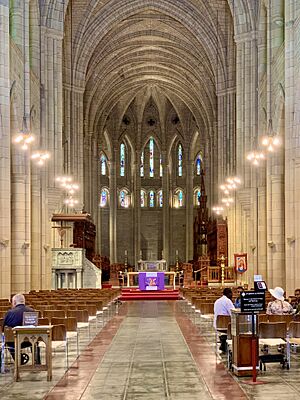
136	294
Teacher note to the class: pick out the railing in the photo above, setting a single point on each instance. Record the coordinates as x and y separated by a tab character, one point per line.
214	274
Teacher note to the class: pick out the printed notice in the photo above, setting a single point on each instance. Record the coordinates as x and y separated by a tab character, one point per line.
252	301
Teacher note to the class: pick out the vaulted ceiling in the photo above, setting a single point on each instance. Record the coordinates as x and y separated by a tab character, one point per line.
177	52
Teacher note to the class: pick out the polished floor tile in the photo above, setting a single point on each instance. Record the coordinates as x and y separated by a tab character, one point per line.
152	350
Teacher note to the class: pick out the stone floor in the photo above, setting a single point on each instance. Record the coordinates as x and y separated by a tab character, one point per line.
150	350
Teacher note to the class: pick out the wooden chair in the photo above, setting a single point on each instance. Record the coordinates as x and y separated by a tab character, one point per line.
263	318
221	327
54	314
59	339
71	328
293	336
273	334
82	318
280	318
43	321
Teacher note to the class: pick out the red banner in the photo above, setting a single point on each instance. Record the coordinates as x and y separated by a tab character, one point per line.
240	262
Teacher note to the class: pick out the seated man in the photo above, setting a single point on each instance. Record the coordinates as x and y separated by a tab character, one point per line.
223	306
14	317
278	305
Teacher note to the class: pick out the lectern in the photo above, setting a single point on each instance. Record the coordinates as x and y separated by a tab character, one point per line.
242	326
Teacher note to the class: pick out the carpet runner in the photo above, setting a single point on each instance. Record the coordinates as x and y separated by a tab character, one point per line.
136	294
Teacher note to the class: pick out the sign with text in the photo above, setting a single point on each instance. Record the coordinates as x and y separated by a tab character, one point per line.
252	301
30	318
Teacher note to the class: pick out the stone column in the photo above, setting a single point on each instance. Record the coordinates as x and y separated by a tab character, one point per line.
21	180
5	154
137	207
189	211
78	278
51	139
166	206
292	147
137	196
113	207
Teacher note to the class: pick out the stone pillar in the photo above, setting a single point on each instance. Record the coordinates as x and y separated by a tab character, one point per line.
113	207
5	155
21	180
291	146
166	207
137	208
189	211
79	278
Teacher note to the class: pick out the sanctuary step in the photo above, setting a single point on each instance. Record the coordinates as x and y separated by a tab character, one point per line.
136	294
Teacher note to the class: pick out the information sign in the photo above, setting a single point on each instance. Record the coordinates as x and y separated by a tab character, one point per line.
253	301
30	318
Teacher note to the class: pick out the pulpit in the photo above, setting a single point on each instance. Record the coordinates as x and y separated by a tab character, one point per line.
84	231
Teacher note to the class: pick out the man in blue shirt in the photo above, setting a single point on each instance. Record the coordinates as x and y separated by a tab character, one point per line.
237	303
14	317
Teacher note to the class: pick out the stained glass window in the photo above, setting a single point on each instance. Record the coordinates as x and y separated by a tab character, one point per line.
151	198
122	198
160	198
198	196
179	160
143	198
103	164
180	198
151	160
103	200
160	167
198	165
122	159
142	164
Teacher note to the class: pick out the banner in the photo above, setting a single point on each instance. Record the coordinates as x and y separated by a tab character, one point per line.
240	263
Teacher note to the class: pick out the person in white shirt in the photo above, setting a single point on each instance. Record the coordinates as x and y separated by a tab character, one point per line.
223	306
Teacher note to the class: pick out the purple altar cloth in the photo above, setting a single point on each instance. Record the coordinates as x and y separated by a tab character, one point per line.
151	280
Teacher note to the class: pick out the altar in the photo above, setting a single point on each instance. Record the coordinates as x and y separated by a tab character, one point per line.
130	276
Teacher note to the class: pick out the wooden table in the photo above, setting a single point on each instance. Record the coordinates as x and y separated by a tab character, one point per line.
33	334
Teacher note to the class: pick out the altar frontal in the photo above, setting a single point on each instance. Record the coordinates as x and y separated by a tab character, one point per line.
151	280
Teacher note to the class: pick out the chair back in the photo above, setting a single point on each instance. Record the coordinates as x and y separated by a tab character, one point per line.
294	329
9	335
43	321
272	330
222	322
54	314
280	318
80	315
263	318
59	333
229	336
